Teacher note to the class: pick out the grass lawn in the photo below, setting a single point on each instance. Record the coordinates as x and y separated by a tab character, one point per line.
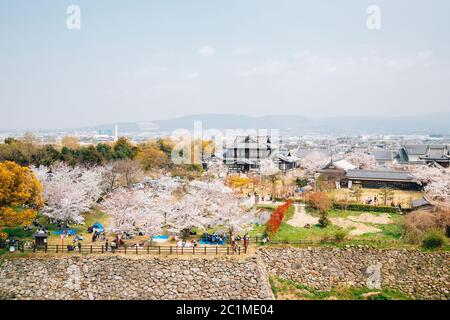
390	235
290	290
90	218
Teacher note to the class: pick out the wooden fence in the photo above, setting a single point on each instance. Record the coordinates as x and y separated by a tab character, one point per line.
136	250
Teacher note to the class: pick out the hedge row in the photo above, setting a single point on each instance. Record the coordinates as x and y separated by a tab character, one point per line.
276	218
364	207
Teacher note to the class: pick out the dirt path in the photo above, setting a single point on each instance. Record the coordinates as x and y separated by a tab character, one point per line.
357	224
357	227
301	218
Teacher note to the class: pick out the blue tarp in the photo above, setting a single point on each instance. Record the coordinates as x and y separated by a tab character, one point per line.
66	231
99	226
213	243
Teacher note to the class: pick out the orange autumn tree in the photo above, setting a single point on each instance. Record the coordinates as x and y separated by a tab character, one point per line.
20	195
276	218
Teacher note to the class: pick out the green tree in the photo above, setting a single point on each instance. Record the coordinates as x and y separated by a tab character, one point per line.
123	149
105	150
356	192
386	194
46	156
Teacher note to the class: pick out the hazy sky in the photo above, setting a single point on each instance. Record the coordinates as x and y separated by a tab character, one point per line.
148	60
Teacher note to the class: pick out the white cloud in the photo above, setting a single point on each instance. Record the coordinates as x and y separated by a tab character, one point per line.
243	51
268	67
206	51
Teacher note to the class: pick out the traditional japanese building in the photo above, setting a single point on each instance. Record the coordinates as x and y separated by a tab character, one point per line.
245	152
381	179
420	154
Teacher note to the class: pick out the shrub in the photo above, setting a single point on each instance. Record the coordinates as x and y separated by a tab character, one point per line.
340	235
319	201
364	207
419	222
324	221
276	218
433	239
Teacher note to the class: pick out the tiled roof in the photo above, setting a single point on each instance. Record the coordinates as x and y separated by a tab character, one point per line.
419	203
416	149
379	175
382	154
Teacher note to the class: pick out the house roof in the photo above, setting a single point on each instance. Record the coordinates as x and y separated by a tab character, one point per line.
420	202
252	142
382	155
437	152
344	165
416	149
380	175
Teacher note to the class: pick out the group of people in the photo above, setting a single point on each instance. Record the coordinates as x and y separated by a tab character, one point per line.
97	233
234	241
215	238
184	243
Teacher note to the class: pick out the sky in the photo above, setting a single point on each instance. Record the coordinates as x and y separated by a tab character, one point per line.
144	60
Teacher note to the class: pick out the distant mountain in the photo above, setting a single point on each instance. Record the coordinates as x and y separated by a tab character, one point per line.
294	124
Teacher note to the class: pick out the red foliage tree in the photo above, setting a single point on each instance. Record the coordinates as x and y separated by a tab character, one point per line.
276	218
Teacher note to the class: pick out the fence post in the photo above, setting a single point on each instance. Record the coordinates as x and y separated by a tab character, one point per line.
256	239
228	250
170	249
79	248
125	249
239	250
159	249
136	249
102	248
217	250
46	248
57	248
204	249
148	249
91	248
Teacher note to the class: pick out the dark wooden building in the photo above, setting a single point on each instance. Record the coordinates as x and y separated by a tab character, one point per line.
380	179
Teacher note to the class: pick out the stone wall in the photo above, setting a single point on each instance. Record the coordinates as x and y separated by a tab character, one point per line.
121	277
419	274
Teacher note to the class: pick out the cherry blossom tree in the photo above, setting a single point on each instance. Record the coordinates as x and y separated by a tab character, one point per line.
268	168
435	180
210	204
362	160
234	216
68	191
134	211
315	161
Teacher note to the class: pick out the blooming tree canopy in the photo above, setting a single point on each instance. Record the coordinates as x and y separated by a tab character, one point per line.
68	191
268	168
362	160
436	182
314	161
134	211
